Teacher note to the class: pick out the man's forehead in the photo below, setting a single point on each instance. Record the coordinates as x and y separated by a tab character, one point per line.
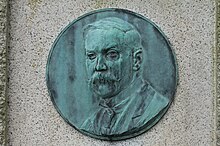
99	38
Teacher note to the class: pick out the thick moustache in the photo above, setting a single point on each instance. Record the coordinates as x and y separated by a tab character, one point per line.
104	76
103	79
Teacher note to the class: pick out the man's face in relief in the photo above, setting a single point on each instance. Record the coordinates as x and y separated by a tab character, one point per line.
108	62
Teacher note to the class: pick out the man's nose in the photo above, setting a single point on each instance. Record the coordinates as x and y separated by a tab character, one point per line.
100	64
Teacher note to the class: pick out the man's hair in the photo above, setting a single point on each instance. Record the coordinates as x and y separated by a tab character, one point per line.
131	37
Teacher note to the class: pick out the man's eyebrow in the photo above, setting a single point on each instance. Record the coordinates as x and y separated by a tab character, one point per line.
111	47
90	51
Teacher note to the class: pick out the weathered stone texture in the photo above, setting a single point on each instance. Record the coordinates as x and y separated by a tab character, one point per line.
3	69
35	24
217	71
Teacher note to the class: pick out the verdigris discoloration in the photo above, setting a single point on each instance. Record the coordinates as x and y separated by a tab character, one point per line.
114	69
100	74
3	70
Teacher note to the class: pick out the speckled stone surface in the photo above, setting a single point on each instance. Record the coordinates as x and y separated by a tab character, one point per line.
190	27
217	72
3	69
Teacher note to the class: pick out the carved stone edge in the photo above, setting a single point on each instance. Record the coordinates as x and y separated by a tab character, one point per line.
217	73
3	70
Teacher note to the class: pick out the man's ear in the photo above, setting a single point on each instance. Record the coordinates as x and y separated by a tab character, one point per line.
137	59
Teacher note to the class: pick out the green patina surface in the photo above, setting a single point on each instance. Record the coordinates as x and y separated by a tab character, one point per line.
102	78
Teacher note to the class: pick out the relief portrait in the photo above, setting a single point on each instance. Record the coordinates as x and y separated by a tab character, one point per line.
111	74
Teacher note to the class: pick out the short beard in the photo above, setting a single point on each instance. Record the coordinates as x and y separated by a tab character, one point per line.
104	84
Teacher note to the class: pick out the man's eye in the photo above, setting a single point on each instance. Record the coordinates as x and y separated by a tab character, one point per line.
112	55
91	56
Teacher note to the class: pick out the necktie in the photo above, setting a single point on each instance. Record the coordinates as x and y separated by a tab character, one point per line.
106	116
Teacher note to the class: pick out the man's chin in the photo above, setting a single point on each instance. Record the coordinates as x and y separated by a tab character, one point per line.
104	90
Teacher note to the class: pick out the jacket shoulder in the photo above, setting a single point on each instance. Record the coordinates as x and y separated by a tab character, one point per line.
150	104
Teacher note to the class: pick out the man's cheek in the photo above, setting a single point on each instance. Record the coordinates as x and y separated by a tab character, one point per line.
89	69
115	69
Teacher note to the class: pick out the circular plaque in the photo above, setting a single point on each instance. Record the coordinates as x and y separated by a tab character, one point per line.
111	74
